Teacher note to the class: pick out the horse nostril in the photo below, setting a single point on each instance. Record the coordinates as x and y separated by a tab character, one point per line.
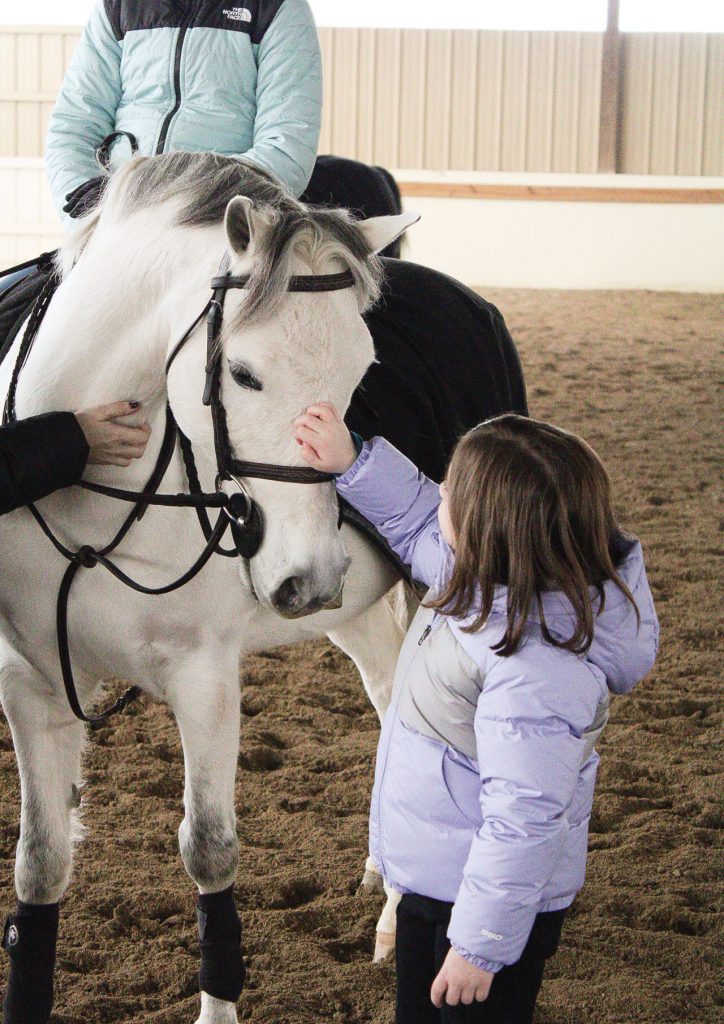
288	597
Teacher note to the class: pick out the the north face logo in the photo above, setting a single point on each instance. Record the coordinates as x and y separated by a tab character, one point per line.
238	14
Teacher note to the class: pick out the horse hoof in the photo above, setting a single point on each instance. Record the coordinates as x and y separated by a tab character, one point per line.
216	1011
384	945
371	882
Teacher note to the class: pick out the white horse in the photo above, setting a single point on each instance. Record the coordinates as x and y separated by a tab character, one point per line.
135	274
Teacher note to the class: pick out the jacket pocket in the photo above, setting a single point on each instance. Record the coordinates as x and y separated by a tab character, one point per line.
444	777
423	836
462	783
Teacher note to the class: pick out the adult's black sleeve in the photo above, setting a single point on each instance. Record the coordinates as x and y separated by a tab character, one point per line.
39	455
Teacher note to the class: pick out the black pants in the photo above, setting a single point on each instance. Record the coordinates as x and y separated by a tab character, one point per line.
422	946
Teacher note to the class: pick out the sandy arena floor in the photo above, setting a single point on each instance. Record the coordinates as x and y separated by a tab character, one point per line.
636	374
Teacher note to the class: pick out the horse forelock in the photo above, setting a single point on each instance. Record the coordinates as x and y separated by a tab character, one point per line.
321	239
200	187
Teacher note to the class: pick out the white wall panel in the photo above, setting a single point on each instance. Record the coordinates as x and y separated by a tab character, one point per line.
666	247
490	100
462	100
539	120
366	110
515	101
599	244
692	95
665	104
412	98
438	100
387	92
672	104
713	160
589	101
28	222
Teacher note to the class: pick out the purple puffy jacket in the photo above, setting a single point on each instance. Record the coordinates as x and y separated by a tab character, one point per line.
485	766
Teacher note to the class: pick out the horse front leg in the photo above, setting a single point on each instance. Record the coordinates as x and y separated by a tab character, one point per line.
373	640
208	716
48	745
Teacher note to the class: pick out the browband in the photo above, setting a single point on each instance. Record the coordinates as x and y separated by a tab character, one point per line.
304	283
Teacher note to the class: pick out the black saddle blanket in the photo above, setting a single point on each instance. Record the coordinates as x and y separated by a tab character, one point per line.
445	362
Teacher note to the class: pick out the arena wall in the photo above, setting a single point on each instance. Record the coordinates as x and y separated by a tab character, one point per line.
458	100
481	108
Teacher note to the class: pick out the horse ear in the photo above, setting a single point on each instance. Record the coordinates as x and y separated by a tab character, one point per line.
243	222
383	231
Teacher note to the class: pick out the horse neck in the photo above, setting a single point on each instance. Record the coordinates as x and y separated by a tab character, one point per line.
106	334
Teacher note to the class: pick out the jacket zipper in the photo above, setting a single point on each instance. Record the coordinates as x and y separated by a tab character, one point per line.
428	628
176	84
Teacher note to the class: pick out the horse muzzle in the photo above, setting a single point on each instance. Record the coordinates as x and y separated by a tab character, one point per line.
293	599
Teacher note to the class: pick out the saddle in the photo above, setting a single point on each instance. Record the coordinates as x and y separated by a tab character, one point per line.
17	298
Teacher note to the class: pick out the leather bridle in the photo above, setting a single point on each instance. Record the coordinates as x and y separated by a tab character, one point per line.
237	511
247	525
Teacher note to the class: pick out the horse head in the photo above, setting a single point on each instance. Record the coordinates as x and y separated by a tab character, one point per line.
280	351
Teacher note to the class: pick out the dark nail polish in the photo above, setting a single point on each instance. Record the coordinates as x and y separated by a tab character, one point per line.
134	405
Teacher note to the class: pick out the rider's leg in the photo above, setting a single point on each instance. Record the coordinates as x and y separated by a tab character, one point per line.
206	705
48	746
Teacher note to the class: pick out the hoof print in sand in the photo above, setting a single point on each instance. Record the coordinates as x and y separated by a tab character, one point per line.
260	759
345	952
297	893
293	805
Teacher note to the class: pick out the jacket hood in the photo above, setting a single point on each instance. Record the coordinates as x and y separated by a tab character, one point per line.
623	648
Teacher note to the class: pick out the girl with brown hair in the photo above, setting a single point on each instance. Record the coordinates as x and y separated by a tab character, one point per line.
538	607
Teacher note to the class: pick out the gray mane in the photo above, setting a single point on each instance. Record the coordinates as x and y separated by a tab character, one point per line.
202	185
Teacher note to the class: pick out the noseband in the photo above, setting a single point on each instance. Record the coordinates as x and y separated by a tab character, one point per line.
237	510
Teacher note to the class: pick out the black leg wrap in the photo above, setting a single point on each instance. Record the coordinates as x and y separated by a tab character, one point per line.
29	938
222	964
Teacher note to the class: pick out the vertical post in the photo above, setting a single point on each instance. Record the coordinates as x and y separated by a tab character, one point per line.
609	126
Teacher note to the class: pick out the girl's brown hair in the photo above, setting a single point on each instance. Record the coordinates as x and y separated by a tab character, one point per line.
530	506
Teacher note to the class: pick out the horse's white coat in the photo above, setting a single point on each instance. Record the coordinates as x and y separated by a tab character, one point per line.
138	283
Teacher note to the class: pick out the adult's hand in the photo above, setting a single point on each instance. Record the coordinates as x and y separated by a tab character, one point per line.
112	443
85	197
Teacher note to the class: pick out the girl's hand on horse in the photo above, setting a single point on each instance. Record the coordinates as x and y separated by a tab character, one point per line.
324	439
459	981
112	443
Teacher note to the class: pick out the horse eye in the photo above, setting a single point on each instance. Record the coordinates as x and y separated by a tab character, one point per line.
244	377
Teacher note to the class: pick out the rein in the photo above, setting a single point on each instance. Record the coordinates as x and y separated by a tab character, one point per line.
237	511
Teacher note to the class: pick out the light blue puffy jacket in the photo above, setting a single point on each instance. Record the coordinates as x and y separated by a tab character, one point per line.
486	765
203	76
